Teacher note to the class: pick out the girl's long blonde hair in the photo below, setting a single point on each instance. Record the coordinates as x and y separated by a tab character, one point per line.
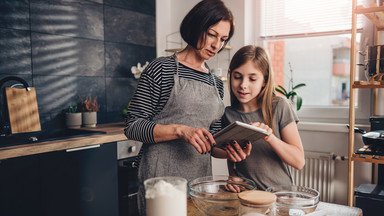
261	61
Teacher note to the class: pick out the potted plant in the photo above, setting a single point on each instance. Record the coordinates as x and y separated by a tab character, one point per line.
290	94
89	108
73	118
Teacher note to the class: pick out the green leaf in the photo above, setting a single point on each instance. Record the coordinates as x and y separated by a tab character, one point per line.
125	112
298	86
72	109
282	89
299	102
290	94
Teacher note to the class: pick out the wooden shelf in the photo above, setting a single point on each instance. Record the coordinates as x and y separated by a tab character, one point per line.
179	49
368	84
360	9
368	158
374	13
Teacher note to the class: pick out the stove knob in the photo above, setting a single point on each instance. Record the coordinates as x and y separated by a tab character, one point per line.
132	149
134	165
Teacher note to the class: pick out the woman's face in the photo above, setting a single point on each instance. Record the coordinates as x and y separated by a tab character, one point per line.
246	84
214	39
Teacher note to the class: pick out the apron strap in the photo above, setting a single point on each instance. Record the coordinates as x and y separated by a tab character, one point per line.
177	63
213	79
206	65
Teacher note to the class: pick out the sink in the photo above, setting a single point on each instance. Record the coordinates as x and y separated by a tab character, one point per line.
45	135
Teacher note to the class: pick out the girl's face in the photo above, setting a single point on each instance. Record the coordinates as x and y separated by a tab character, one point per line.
214	39
246	84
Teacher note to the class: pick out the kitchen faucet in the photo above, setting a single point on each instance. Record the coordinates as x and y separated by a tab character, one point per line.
4	118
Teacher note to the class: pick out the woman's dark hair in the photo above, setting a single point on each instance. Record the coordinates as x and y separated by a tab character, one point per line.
200	18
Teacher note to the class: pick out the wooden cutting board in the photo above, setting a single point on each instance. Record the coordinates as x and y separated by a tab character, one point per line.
22	109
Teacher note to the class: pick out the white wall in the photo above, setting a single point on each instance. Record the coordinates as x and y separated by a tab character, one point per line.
333	138
315	137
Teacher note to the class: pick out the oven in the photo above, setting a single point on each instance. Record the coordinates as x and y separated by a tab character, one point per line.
128	156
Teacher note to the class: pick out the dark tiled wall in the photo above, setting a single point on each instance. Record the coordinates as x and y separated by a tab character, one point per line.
67	48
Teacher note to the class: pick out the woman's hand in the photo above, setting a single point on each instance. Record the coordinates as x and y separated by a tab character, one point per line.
200	138
235	153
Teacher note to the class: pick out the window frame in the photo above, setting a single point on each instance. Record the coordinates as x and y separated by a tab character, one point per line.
328	114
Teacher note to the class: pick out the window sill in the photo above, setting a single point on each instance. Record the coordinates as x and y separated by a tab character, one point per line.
328	127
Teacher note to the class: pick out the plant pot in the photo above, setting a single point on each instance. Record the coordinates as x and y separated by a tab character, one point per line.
73	120
89	119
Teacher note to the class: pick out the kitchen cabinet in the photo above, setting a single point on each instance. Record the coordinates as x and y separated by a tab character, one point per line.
19	186
373	13
79	182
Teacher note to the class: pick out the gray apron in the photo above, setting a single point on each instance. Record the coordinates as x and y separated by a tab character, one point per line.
191	103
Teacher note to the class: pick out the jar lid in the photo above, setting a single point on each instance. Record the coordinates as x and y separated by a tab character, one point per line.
257	197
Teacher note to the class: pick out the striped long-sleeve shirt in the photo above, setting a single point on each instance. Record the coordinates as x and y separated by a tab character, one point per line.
152	94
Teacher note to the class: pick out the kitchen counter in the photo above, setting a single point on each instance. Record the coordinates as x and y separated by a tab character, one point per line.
330	209
114	133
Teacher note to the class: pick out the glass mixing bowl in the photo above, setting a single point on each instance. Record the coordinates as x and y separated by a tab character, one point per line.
217	195
294	200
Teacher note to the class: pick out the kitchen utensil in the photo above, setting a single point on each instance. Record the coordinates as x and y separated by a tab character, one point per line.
217	195
22	109
294	199
373	137
374	60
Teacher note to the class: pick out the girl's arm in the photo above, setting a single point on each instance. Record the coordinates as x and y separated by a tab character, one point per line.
289	148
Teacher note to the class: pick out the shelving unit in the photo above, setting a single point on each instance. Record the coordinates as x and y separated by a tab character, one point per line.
376	15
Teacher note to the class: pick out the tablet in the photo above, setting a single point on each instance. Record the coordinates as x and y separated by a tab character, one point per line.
239	131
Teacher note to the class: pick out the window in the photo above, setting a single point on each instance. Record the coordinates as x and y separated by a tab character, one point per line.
314	38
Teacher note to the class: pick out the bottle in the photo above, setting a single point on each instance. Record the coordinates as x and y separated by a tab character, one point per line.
256	203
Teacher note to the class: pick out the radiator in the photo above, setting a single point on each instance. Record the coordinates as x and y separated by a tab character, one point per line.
318	173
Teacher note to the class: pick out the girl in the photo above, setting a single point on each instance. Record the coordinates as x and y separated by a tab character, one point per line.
253	101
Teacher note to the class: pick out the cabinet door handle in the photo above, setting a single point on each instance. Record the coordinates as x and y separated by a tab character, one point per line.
82	148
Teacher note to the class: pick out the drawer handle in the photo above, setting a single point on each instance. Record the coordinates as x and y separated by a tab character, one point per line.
82	148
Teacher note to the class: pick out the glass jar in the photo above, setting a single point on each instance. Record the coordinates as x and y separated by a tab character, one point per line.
256	203
166	196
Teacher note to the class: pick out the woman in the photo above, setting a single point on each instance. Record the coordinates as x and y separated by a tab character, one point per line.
178	101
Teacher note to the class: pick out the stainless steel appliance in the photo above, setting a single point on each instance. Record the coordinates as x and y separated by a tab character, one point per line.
370	198
374	60
128	157
374	140
375	146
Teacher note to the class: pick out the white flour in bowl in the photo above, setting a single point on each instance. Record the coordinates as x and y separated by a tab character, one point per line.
164	199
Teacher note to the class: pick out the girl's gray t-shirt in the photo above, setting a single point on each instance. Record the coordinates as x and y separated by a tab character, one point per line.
264	166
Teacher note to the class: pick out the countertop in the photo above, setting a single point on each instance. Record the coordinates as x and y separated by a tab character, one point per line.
329	208
114	133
